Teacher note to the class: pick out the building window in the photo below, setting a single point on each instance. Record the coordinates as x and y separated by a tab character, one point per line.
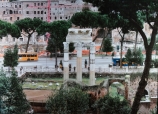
27	12
38	4
41	18
15	6
45	12
41	12
10	12
34	12
60	17
65	17
18	18
27	5
38	12
3	12
34	4
41	4
19	6
11	18
21	39
55	18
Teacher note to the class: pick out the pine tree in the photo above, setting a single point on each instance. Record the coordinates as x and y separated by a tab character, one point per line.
128	56
136	56
4	86
68	101
107	47
11	57
16	101
110	105
139	57
12	98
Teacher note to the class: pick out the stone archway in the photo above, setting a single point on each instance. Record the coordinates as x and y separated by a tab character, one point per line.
124	81
81	38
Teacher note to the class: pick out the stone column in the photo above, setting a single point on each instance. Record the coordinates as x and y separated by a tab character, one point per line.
127	86
92	64
66	61
78	46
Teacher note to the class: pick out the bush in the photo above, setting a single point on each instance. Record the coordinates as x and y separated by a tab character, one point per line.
155	63
110	105
68	101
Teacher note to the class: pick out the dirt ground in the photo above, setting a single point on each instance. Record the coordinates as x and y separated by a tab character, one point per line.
37	95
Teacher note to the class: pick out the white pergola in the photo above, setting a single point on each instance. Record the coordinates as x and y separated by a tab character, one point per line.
80	38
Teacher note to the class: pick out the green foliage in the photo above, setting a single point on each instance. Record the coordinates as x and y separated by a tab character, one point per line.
12	98
136	57
154	111
50	47
71	47
28	26
11	57
58	31
110	105
3	88
68	101
8	28
155	63
128	56
85	19
107	47
156	45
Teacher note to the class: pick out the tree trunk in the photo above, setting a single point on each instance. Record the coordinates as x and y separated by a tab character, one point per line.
56	63
136	41
122	39
101	47
29	36
121	52
142	83
145	74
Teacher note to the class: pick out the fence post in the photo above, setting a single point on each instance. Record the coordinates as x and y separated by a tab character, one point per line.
127	69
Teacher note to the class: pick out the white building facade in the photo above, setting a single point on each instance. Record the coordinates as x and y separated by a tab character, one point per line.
43	9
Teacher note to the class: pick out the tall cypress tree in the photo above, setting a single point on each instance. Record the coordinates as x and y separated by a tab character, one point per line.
107	47
12	98
11	57
16	101
129	56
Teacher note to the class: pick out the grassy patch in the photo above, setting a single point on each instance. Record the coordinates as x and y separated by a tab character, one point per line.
113	91
40	85
43	83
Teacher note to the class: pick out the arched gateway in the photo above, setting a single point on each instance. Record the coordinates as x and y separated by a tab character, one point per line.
81	38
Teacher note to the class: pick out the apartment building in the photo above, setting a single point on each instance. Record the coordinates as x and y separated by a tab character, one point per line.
46	10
